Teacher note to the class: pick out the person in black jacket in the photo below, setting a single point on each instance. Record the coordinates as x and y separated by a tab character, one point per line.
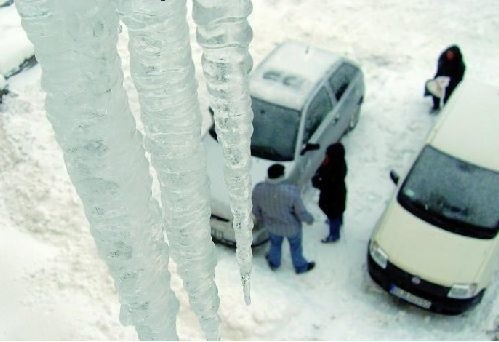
330	180
450	64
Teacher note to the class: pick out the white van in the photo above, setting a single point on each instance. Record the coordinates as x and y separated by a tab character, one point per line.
303	98
437	244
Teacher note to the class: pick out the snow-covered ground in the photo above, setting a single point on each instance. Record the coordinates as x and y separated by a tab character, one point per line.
15	47
54	286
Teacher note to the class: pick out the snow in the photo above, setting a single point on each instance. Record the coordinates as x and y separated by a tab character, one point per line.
307	64
14	44
54	286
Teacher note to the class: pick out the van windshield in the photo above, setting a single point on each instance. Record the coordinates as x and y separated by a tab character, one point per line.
275	131
452	194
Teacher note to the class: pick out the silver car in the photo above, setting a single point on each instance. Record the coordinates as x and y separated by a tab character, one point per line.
303	99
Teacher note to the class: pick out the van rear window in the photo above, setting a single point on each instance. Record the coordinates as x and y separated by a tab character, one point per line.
452	194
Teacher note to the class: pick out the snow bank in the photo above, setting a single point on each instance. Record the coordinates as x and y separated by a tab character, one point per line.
12	60
14	44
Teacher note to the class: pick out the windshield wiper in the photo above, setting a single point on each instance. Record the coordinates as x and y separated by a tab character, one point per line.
440	204
434	215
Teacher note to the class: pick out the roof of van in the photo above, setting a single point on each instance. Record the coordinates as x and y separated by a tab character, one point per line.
469	127
289	73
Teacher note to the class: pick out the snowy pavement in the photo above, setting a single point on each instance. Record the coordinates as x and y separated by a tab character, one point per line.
15	48
54	286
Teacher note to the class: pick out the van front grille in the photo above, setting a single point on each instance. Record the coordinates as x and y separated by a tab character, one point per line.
414	284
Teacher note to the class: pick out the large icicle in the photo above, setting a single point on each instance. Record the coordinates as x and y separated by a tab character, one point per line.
224	33
75	43
163	72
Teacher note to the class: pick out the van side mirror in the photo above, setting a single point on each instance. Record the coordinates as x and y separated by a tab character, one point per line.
309	147
394	176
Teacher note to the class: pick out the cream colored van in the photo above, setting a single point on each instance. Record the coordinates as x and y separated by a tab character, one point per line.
436	245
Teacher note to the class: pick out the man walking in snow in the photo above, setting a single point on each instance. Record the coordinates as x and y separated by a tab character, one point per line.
279	208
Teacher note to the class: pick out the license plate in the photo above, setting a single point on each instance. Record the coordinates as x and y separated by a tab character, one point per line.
398	292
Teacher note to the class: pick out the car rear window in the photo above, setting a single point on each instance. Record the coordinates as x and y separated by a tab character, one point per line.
275	130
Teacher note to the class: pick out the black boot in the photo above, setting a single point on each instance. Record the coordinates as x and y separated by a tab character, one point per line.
310	266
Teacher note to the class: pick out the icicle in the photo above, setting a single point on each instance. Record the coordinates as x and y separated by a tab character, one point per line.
224	33
163	73
75	43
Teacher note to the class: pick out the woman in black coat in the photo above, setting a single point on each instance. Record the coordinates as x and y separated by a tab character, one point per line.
330	180
450	64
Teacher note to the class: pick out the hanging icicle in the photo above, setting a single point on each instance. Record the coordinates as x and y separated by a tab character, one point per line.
224	33
75	43
163	72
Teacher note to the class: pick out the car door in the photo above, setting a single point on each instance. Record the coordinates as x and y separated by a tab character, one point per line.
318	119
344	86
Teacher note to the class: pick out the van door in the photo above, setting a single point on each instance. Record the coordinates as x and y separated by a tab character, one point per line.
345	86
317	126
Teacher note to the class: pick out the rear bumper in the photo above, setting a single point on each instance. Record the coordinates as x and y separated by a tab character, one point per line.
393	276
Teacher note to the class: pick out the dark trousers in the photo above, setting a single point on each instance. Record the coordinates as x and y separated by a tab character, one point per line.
334	227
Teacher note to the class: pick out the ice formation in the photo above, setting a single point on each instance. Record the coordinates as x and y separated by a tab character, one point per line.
75	43
224	33
163	72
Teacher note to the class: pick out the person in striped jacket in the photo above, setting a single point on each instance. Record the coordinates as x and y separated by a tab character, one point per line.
278	207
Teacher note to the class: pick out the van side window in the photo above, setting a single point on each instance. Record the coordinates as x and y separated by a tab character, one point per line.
320	106
341	79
